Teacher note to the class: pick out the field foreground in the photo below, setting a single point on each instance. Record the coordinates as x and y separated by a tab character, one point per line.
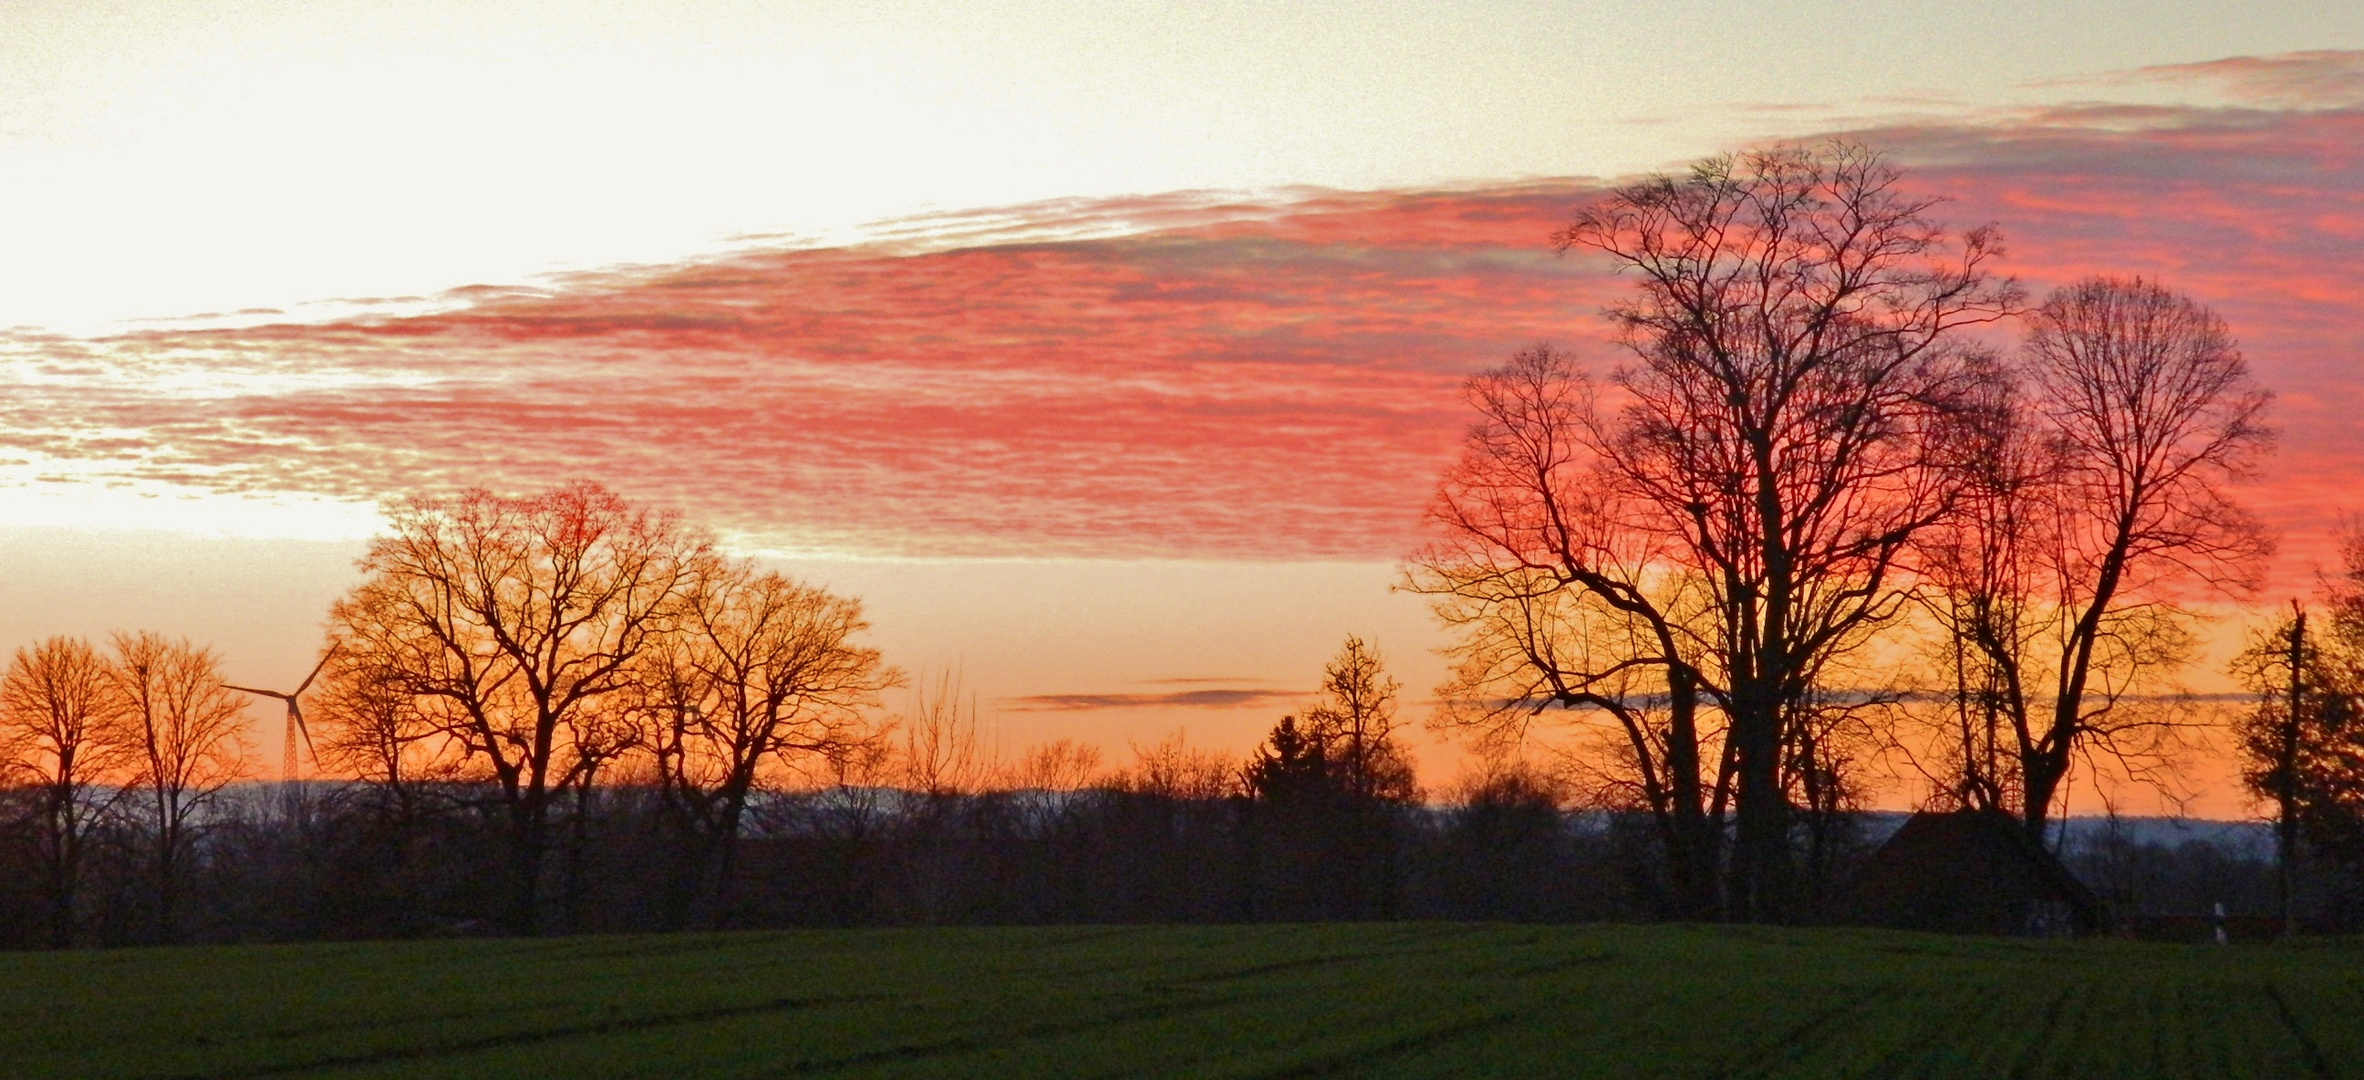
1259	1001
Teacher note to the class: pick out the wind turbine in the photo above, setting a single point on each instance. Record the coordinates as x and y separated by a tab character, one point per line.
295	716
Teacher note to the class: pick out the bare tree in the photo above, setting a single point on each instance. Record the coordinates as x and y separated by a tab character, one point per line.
2155	415
1779	437
1563	596
1355	722
187	739
1173	769
942	752
1983	569
57	707
507	621
372	728
1061	765
1045	783
764	671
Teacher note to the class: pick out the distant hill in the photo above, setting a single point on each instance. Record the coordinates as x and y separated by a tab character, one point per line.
2254	839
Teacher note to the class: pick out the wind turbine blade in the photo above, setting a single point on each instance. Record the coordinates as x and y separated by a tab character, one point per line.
297	715
324	659
252	690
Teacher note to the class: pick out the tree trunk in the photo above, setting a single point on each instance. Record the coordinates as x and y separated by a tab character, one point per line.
1760	857
167	867
578	840
723	858
65	854
1692	840
527	822
2040	775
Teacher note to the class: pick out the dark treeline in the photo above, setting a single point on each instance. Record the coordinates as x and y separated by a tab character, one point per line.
901	824
882	858
345	861
909	824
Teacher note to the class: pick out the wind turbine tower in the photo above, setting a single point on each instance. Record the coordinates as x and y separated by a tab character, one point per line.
288	763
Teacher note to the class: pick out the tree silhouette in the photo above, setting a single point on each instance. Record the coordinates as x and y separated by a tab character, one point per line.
1562	595
2155	413
509	622
2095	499
186	740
1291	765
1326	790
1781	432
1985	565
1355	725
58	711
2302	745
762	672
1796	378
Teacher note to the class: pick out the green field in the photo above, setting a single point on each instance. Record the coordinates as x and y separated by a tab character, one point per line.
1261	1001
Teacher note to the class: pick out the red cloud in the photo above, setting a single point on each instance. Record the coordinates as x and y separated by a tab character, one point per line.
1186	375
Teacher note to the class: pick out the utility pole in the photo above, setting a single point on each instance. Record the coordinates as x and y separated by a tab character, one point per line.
2286	767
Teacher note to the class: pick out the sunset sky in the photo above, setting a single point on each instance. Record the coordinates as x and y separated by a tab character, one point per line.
1109	352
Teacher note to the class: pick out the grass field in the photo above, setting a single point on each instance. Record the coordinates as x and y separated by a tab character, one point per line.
1262	1001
